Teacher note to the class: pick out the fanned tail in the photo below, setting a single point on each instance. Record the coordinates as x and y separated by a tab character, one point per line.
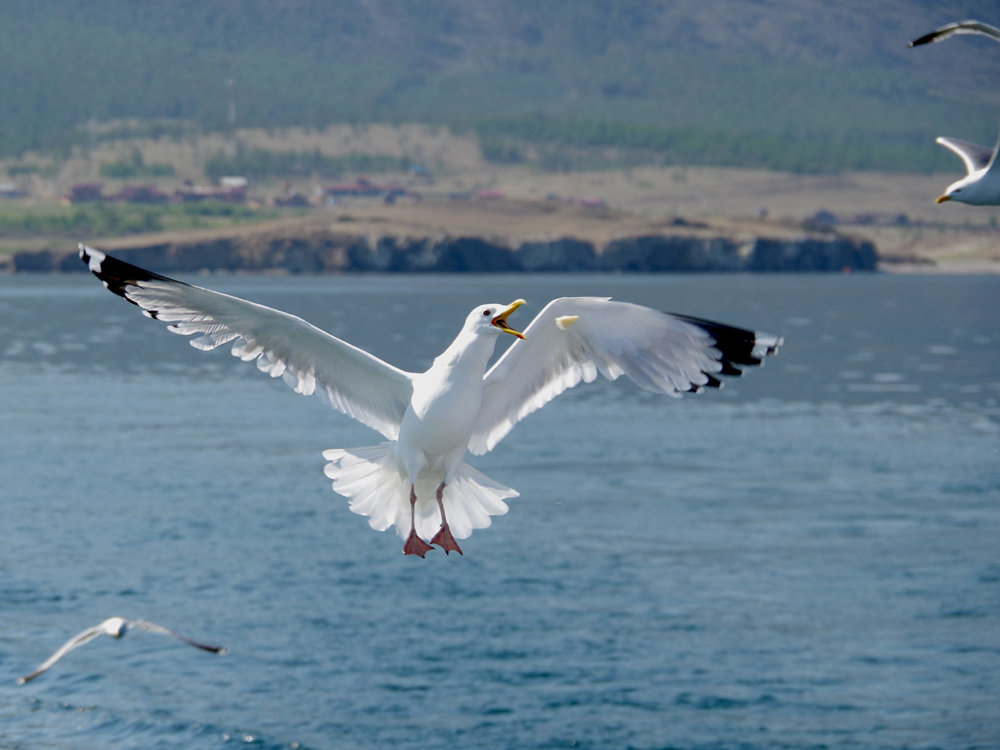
379	488
374	482
470	499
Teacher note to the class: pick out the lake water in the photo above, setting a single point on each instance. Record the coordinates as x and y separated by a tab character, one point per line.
809	558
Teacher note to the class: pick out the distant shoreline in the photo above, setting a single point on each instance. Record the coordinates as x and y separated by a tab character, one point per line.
511	235
480	236
336	252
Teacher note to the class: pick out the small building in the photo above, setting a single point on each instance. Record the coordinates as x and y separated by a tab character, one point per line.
294	200
364	188
233	183
84	192
141	194
196	193
490	195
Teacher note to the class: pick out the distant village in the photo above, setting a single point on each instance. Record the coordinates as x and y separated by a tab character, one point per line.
235	190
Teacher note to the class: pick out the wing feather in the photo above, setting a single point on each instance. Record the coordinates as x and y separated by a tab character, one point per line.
575	339
960	27
152	627
308	359
974	156
76	641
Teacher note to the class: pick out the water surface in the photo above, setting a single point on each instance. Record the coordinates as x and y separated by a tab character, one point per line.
805	559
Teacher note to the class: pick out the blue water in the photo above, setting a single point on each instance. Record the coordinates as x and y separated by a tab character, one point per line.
808	558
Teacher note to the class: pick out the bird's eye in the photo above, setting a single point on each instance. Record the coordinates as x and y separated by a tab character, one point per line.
487	312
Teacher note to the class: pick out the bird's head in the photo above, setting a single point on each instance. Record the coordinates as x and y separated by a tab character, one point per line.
966	190
492	318
952	193
115	626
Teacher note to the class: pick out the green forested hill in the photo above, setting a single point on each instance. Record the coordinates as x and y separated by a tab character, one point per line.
799	84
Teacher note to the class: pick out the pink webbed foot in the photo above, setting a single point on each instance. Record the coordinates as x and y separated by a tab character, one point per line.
446	541
416	546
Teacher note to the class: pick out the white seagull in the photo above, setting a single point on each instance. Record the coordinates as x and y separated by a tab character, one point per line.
432	419
981	184
116	627
960	27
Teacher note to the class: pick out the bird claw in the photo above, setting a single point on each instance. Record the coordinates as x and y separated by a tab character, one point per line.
416	546
446	541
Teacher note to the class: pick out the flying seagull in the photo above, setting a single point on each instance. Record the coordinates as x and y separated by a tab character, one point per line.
116	627
960	27
432	419
981	186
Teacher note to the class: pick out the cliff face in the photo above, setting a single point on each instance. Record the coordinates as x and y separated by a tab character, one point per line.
335	252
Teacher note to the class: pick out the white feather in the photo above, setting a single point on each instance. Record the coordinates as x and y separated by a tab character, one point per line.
657	351
352	380
379	488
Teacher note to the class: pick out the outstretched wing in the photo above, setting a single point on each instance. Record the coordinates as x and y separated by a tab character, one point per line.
77	640
152	627
974	156
310	360
574	339
960	27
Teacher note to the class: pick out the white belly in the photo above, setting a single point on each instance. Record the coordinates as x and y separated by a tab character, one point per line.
438	423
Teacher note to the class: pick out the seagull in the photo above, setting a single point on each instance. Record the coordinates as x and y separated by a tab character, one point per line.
960	27
981	186
116	627
431	419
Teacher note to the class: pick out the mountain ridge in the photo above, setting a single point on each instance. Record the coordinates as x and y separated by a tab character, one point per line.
831	76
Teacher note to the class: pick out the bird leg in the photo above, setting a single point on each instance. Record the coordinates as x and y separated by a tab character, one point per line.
443	538
414	544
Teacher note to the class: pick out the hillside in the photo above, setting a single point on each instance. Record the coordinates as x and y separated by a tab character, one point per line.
793	84
897	211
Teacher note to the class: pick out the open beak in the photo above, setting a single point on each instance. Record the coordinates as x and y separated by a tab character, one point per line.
500	321
943	198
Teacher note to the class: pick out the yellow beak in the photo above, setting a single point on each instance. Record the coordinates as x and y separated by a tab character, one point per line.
943	198
500	321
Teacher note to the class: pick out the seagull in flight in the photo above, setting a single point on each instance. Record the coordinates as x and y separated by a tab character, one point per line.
116	627
960	27
981	184
417	479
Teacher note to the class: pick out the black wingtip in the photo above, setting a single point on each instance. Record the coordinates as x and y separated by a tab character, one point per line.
925	39
214	649
738	348
117	275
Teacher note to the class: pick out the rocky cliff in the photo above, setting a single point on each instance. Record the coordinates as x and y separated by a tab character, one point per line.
331	251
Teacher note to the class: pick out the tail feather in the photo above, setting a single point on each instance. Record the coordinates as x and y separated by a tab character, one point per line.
471	498
373	481
379	488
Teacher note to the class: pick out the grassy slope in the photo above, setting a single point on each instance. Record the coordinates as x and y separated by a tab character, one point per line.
647	195
834	76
